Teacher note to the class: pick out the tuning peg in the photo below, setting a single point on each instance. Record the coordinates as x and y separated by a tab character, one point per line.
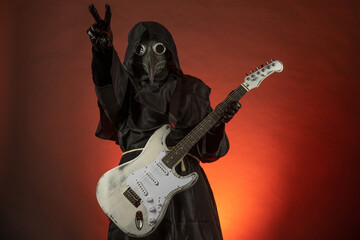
257	68
246	74
251	71
262	65
271	60
267	63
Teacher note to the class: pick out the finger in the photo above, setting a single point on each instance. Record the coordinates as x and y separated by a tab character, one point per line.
107	15
91	34
95	29
235	105
94	13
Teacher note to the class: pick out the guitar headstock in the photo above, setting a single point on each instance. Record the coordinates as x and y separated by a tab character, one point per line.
255	78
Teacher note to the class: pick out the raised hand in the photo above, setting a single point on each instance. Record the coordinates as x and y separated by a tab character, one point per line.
100	32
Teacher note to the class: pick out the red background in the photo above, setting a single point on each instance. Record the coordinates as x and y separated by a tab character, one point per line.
292	169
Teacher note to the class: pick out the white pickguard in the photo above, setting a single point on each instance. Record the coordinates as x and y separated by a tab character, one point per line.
154	184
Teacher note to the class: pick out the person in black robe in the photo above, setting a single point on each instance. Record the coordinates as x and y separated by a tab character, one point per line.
139	96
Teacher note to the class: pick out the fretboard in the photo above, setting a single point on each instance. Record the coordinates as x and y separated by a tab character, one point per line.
174	156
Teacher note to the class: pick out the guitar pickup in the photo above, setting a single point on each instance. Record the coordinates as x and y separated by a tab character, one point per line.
163	169
141	186
132	197
152	178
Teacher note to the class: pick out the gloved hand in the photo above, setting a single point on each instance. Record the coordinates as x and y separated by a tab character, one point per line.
228	115
216	133
100	32
230	112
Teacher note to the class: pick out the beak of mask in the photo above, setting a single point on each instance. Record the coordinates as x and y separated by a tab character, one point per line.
152	57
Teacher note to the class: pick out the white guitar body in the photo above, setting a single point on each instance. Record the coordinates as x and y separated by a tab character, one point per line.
135	195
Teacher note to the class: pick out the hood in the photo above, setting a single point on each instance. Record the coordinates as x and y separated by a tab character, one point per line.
155	31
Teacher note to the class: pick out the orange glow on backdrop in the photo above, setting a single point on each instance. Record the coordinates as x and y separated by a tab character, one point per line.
292	168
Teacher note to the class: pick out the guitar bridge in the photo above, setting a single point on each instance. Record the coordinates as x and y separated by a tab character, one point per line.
132	197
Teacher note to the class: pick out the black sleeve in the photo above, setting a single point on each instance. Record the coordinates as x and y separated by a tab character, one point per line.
213	145
111	84
100	67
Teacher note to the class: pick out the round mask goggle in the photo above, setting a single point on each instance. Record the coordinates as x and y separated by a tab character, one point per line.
158	48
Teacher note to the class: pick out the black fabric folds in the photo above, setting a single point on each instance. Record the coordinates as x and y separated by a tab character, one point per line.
129	115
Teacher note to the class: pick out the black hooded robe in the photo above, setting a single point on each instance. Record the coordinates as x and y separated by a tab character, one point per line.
130	114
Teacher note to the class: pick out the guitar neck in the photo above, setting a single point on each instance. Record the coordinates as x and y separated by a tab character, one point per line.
202	128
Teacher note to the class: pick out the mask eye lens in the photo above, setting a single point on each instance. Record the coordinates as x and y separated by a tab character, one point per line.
159	48
140	50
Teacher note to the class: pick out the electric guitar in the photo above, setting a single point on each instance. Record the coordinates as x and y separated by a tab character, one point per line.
136	194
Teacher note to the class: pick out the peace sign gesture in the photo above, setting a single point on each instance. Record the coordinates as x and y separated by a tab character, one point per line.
100	32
